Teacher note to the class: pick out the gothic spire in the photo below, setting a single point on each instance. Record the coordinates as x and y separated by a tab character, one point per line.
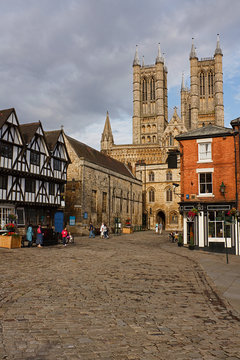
193	53
159	58
218	50
143	61
107	132
136	60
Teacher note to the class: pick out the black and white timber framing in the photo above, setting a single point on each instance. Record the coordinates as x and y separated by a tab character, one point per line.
33	168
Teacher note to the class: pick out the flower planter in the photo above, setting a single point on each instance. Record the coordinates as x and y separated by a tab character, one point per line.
127	230
180	244
10	242
191	247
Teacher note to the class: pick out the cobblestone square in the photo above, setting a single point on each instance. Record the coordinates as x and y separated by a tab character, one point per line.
130	297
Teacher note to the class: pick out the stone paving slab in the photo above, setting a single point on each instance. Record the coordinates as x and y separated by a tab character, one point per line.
134	297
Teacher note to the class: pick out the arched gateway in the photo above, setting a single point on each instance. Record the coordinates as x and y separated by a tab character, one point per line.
160	219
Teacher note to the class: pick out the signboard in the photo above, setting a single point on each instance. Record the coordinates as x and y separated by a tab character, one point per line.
72	220
85	215
187	196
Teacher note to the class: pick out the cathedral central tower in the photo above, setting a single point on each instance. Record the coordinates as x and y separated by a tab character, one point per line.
150	100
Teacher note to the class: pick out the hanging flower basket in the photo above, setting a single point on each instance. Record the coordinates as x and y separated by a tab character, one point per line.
192	213
232	212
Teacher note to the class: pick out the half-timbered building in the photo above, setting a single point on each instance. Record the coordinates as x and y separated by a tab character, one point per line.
33	171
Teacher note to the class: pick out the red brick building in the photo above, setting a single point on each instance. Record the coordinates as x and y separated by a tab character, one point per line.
209	186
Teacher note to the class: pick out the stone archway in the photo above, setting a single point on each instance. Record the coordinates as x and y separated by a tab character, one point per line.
160	218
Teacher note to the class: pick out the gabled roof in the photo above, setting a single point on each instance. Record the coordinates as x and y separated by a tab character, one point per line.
98	158
206	132
4	115
29	130
52	138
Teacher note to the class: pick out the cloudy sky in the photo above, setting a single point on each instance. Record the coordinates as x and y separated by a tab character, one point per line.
66	62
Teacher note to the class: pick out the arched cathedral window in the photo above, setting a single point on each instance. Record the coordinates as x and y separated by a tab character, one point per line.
169	195
152	89
151	195
144	89
210	84
143	128
170	140
149	139
169	175
143	140
202	84
151	176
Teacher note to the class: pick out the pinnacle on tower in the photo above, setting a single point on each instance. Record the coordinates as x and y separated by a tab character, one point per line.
183	87
159	58
218	50
107	136
136	60
143	61
193	53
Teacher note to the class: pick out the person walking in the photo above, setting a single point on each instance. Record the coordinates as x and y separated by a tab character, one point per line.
91	231
102	231
39	240
29	235
160	228
64	236
156	228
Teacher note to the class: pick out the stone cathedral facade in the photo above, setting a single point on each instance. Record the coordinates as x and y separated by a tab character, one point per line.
153	156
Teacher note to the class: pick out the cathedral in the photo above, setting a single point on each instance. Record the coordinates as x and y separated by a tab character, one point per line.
154	154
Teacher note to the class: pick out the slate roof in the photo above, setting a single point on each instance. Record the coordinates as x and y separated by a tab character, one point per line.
206	132
98	158
28	131
4	115
52	138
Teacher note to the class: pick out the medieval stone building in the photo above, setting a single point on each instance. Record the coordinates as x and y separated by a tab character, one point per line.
100	189
153	156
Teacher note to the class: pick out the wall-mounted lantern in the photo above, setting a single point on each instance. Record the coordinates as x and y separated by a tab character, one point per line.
222	188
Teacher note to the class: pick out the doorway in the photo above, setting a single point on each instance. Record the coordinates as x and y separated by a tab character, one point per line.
161	219
190	231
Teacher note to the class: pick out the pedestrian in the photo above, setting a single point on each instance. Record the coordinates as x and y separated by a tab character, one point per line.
39	239
156	228
105	231
29	235
176	236
69	238
160	228
64	236
91	231
102	231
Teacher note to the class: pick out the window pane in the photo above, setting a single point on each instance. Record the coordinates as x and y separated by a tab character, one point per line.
211	229
208	177
219	228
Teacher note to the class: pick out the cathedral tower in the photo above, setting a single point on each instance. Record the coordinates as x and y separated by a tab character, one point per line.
203	103
150	100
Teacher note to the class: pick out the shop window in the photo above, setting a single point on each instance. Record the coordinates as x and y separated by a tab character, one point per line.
216	228
20	216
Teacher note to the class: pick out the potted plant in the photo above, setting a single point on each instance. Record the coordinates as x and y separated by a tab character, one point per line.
191	245
127	229
180	240
10	239
232	212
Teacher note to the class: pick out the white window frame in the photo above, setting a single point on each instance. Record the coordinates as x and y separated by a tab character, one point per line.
208	153
200	171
